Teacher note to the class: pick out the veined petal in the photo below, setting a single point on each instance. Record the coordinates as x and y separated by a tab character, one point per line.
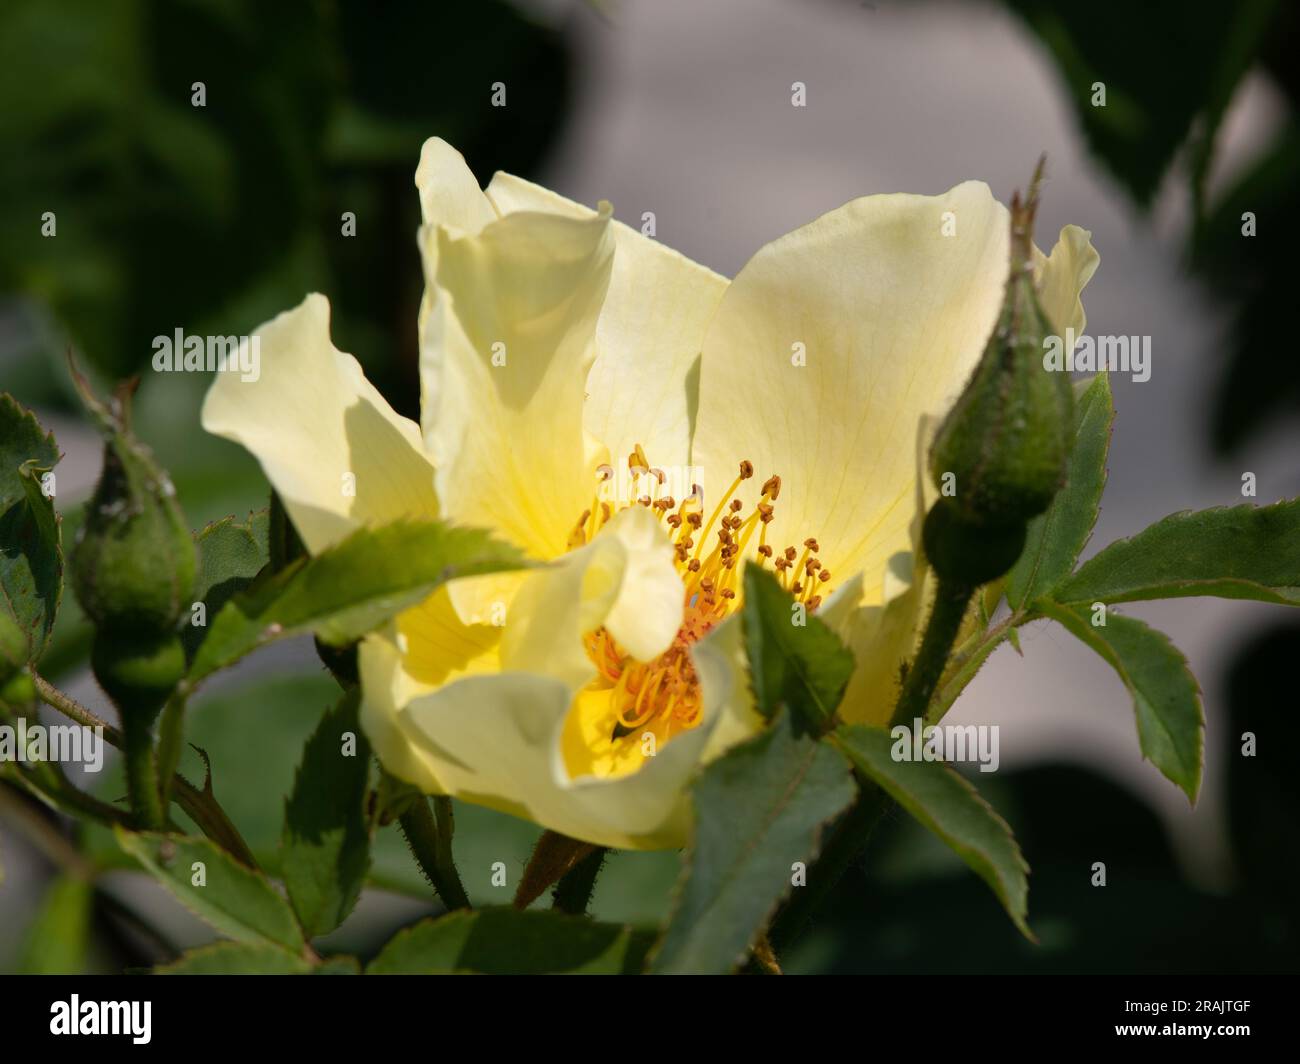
882	639
644	386
648	810
623	581
496	740
506	344
386	690
438	647
451	199
328	442
449	192
424	649
1062	276
889	301
884	636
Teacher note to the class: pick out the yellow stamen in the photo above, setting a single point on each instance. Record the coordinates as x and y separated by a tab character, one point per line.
663	695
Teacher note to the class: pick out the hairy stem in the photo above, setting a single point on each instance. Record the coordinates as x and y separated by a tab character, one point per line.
171	735
142	774
46	780
923	676
765	957
201	806
574	890
70	707
428	828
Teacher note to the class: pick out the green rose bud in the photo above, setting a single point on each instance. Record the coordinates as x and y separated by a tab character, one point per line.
968	553
137	670
1007	440
134	563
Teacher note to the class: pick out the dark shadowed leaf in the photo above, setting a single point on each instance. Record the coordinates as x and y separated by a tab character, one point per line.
507	941
31	558
1164	74
947	804
326	851
759	810
338	966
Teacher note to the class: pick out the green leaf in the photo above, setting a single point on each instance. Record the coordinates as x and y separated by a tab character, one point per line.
21	440
801	665
1166	699
236	958
42	507
250	779
964	665
1238	552
231	554
237	901
1055	539
55	943
352	588
946	803
326	833
758	809
509	942
31	558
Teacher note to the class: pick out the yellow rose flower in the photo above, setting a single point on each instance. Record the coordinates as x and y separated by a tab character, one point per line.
578	380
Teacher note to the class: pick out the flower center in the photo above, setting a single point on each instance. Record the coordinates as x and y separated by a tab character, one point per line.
662	696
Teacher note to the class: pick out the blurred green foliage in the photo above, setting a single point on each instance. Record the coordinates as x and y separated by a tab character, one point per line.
1168	76
1170	71
214	218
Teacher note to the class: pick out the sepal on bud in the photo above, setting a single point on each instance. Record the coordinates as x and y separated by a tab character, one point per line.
968	553
1007	439
134	563
138	671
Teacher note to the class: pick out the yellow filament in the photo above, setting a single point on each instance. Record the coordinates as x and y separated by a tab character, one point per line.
664	694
